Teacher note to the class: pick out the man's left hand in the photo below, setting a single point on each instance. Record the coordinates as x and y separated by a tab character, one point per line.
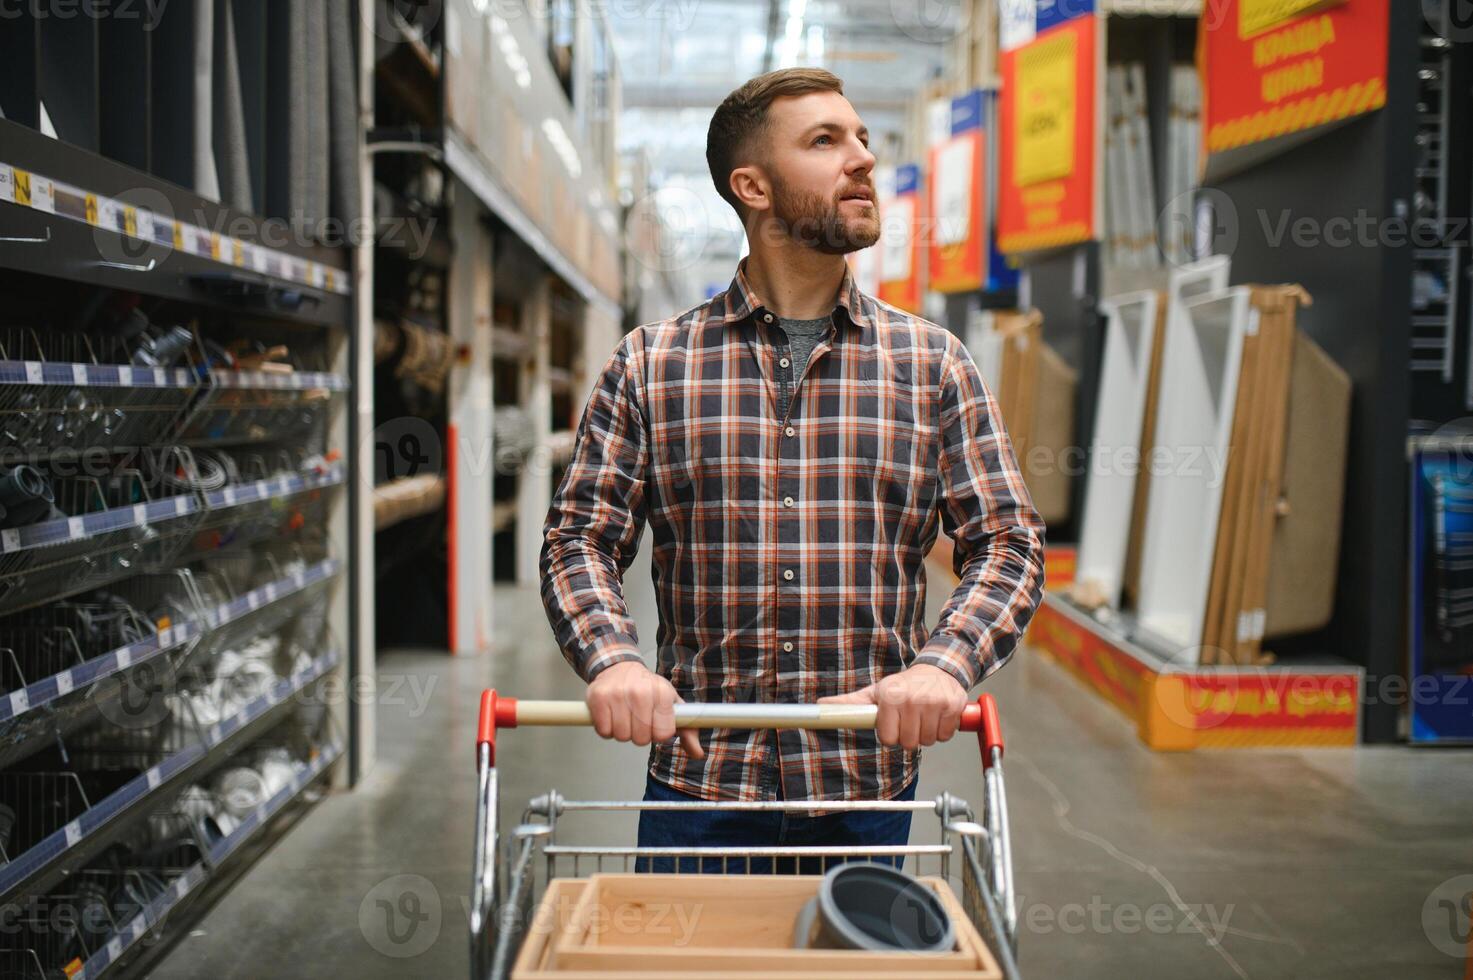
921	705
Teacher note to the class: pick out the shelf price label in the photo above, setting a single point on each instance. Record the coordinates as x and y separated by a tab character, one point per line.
109	214
43	194
22	187
7	183
143	224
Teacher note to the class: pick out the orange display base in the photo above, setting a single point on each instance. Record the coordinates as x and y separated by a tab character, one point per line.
1058	565
1177	709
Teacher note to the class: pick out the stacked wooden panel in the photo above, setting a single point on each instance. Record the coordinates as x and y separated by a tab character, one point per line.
1293	412
1035	396
1276	476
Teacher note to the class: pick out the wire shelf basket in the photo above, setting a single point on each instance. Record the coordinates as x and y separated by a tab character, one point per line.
68	529
64	390
286	397
92	654
283	588
252	496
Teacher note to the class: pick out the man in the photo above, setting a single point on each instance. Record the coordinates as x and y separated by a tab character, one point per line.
793	445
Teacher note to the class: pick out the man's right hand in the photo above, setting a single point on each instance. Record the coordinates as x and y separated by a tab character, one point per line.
631	703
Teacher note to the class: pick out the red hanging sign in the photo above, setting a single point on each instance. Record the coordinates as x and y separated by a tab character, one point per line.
1270	69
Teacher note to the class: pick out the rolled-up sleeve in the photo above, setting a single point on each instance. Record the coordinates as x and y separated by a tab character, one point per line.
998	536
595	521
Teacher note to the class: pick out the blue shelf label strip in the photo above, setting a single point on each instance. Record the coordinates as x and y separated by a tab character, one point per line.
51	196
277	486
64	530
48	689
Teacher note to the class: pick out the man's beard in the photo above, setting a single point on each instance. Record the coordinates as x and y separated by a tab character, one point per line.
810	220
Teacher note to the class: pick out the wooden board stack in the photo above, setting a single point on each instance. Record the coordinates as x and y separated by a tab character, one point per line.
1035	395
1275	561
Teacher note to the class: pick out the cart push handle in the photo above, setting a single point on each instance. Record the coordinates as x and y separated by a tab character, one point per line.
499	711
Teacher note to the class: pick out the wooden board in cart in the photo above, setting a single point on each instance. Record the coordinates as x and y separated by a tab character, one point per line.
714	927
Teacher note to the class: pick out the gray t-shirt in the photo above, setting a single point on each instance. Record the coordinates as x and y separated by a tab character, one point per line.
803	336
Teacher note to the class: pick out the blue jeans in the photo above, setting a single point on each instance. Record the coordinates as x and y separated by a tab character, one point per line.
737	828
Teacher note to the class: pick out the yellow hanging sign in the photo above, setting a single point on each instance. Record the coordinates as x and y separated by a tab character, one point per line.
1044	134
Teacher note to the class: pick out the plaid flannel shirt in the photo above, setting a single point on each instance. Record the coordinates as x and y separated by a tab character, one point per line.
791	515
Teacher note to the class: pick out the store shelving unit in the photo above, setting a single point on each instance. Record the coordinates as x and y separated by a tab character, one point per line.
174	437
1442	329
1361	317
1068	284
515	106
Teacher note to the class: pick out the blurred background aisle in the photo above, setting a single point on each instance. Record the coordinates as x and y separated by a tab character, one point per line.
304	300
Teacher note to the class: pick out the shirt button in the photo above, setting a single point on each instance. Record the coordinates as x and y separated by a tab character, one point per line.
788	647
783	363
788	574
767	318
790	431
787	501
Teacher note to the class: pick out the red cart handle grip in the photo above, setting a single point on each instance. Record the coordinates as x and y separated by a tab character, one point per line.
497	711
989	732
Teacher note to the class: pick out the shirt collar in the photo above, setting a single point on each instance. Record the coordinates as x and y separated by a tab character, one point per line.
740	301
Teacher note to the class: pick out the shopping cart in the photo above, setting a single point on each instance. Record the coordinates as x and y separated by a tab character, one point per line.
502	906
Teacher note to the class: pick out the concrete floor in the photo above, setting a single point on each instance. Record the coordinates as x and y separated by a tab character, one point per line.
1129	864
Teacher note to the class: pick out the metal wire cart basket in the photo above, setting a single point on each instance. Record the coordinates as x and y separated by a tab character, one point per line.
507	884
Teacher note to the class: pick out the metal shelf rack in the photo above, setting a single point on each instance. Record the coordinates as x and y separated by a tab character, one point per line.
176	418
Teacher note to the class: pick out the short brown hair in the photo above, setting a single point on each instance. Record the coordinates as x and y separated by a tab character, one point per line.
742	117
